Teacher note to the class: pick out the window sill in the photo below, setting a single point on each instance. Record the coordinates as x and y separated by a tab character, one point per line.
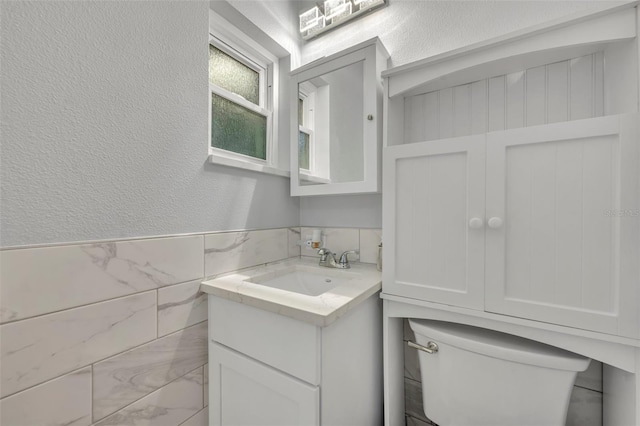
232	162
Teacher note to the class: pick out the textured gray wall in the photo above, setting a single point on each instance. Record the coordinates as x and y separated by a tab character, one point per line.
104	127
104	114
415	29
353	211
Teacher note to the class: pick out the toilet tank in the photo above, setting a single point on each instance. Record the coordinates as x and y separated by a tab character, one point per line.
483	377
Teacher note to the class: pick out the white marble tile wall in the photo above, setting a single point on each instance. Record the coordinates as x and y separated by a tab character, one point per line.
293	238
585	407
230	251
65	400
339	240
42	348
180	306
122	379
42	280
116	332
172	404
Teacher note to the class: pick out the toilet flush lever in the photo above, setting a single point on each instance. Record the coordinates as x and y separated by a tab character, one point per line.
431	347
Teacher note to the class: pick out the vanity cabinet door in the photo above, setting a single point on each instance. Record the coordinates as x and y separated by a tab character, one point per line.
434	221
563	247
245	392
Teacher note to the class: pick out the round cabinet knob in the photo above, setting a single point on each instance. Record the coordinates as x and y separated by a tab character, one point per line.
475	223
495	223
370	117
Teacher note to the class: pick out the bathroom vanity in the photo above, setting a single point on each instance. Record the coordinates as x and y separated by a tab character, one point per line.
525	221
295	343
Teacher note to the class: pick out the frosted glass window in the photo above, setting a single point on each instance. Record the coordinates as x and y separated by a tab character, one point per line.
234	76
238	129
303	150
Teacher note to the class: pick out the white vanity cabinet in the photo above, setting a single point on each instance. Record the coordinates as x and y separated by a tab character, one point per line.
270	369
525	222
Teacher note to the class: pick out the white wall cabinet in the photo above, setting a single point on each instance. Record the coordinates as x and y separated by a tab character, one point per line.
567	251
538	223
336	122
269	369
439	186
511	196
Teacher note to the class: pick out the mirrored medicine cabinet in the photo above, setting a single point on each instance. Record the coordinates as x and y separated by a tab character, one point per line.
336	122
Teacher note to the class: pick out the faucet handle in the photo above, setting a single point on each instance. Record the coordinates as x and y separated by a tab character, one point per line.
324	253
344	258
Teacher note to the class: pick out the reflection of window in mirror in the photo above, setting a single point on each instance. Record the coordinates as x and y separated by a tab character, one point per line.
313	131
306	120
304	139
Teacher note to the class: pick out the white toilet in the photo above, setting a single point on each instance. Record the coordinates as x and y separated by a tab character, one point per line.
479	377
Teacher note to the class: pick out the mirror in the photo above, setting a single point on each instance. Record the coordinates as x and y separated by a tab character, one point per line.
336	122
330	125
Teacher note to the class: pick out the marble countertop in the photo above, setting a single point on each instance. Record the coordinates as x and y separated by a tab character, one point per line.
363	281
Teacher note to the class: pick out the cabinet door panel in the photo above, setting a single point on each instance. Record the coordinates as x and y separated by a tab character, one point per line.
267	337
562	191
244	392
431	253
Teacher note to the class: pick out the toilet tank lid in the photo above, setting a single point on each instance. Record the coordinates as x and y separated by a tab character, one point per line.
498	345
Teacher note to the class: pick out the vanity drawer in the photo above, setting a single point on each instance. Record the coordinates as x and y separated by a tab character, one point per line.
284	343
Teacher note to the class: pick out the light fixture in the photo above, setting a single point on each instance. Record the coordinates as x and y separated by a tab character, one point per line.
336	8
332	13
309	19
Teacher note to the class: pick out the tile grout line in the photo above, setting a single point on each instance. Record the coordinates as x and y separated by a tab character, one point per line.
589	389
91	394
204	256
157	312
195	414
203	368
130	239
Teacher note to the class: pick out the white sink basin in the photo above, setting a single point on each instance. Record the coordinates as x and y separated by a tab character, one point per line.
299	288
303	280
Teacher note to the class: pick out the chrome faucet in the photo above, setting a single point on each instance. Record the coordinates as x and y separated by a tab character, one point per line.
328	259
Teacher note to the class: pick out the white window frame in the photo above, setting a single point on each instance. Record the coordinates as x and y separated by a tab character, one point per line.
226	37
